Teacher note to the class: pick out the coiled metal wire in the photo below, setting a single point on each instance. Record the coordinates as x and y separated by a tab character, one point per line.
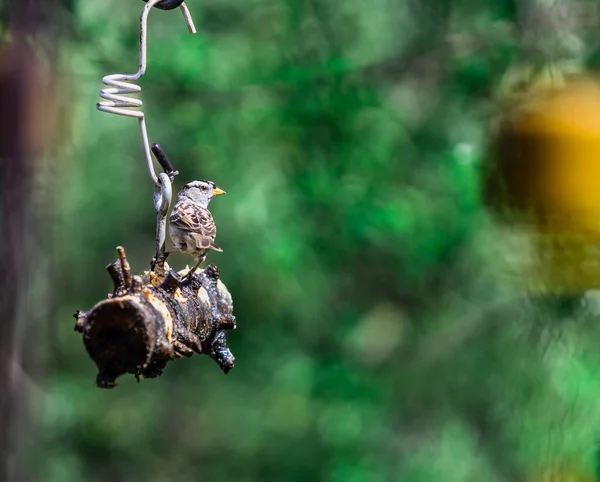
118	101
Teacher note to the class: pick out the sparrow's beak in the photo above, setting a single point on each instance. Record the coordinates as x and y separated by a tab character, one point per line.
218	192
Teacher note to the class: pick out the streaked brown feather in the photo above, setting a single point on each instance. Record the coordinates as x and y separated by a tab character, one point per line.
198	221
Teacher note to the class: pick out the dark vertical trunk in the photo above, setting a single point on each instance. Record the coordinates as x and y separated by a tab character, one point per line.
22	126
15	188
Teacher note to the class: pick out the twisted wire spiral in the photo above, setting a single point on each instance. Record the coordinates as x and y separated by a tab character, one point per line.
119	87
116	95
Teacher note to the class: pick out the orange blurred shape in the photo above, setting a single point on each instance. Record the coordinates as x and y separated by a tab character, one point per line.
544	172
563	475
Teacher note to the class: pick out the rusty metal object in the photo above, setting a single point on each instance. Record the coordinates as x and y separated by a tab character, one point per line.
150	320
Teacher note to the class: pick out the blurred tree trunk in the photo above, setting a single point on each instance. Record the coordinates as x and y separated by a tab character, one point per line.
23	135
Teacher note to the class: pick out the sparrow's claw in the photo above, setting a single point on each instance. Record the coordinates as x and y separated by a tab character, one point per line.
190	274
160	260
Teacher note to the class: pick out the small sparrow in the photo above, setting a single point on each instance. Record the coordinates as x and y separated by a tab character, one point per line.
191	225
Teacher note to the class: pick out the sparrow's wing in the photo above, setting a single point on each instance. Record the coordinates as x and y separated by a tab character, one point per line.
198	222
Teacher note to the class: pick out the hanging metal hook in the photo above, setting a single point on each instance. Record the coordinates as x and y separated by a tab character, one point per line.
162	200
120	87
117	101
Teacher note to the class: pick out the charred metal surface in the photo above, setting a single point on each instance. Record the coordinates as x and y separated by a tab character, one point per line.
148	321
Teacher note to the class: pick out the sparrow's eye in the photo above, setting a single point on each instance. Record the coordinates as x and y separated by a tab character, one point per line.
204	188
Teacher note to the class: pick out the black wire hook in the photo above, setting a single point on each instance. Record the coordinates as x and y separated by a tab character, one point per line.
163	160
168	4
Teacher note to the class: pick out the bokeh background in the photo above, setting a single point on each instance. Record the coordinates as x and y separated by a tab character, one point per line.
392	325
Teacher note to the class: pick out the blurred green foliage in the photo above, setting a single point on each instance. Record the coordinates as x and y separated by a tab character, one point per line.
376	338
